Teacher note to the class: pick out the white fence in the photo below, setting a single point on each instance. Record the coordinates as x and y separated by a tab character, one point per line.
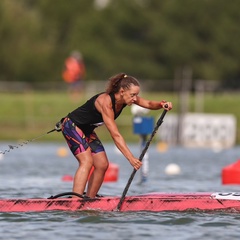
199	130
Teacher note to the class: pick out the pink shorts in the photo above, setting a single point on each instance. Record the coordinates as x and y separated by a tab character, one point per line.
77	141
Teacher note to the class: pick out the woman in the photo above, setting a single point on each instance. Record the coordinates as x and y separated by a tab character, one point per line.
78	130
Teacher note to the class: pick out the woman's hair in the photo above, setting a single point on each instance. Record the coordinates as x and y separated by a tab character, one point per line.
120	80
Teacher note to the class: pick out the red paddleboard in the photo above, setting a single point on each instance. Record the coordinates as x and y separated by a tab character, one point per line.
153	202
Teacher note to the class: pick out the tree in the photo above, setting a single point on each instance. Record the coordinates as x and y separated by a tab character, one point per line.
149	39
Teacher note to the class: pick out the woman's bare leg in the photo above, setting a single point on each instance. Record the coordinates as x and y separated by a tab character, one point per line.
85	160
100	163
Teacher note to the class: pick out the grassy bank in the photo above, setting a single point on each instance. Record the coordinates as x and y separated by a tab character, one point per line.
27	115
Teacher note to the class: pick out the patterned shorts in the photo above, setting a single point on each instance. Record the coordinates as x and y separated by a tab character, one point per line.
79	142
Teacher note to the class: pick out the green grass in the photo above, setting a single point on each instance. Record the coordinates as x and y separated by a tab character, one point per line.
27	115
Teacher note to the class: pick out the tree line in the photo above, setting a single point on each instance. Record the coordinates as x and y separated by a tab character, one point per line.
150	39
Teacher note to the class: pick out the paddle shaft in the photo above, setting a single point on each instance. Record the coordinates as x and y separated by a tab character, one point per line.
159	122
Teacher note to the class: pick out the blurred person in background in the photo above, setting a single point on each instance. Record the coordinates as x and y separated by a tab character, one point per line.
74	73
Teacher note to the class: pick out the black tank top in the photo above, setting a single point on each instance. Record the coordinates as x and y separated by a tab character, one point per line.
87	117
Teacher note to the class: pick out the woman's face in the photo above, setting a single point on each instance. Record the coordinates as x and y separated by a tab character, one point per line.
130	95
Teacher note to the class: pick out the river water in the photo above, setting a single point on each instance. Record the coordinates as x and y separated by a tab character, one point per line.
36	170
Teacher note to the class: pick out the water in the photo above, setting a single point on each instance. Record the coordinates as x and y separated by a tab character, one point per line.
36	170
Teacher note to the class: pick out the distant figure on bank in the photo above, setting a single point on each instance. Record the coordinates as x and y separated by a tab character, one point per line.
78	128
74	73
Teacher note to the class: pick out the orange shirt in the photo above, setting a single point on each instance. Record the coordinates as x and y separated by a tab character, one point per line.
74	70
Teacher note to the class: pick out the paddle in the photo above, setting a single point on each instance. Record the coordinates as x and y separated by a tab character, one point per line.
159	122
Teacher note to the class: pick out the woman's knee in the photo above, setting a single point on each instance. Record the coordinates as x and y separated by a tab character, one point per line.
85	160
103	166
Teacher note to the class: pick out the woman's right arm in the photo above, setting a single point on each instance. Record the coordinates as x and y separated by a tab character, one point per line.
104	106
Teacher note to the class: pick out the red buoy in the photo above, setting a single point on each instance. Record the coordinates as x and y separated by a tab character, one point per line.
231	173
67	178
111	174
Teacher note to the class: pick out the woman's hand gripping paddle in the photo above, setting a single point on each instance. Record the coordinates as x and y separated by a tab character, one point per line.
159	122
